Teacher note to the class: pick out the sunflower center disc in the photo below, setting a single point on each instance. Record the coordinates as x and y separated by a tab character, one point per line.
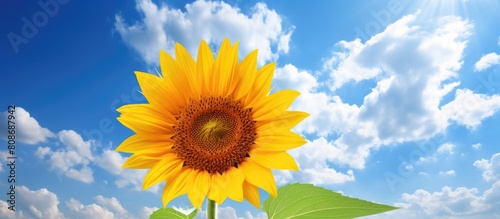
214	133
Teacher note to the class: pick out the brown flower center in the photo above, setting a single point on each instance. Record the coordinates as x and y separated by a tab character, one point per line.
214	133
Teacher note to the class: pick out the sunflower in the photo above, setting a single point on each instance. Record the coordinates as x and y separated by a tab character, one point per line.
210	127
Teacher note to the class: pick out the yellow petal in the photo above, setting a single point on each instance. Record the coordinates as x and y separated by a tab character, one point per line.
147	114
274	159
175	79
187	63
148	158
259	176
144	125
285	121
200	189
234	189
217	192
169	166
251	193
138	142
262	84
247	71
281	141
178	185
204	66
274	104
225	65
147	110
141	162
155	90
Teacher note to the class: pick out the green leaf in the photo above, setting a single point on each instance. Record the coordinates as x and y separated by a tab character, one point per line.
193	214
308	201
170	213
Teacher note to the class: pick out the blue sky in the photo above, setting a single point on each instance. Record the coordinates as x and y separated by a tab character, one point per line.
403	95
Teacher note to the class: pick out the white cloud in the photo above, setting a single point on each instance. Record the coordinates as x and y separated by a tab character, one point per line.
38	204
323	175
283	177
6	213
111	161
447	203
446	148
230	213
44	204
490	168
28	130
145	212
75	142
476	146
249	215
290	77
469	108
314	160
327	113
487	61
72	160
111	203
442	151
447	173
41	152
161	26
414	67
3	159
104	208
423	174
85	174
410	64
404	104
343	64
78	210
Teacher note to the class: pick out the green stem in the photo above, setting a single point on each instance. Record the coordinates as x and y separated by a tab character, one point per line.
211	209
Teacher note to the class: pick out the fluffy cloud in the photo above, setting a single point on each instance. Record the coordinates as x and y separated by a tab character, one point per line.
327	113
409	64
104	208
476	146
111	203
447	173
448	203
446	148
78	210
490	168
230	213
487	61
37	204
145	212
3	159
314	161
162	26
469	108
314	157
44	204
28	130
414	67
72	160
6	213
412	64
